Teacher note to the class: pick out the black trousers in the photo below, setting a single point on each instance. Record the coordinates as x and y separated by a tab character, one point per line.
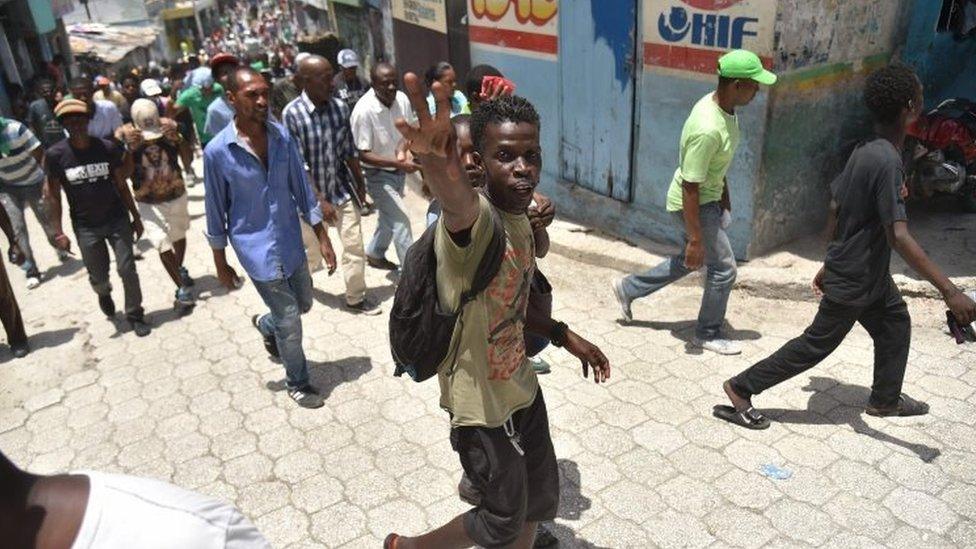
886	320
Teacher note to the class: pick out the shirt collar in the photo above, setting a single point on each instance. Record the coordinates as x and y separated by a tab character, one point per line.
308	102
236	138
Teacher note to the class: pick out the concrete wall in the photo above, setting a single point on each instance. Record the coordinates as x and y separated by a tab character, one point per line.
947	67
815	115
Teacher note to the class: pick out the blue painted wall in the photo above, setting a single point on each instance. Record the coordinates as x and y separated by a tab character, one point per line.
538	81
945	66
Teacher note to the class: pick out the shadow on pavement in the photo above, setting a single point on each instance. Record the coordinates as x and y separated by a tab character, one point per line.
823	410
338	302
684	330
572	504
67	268
42	340
326	376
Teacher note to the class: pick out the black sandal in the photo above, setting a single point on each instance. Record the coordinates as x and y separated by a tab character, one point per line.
749	418
906	407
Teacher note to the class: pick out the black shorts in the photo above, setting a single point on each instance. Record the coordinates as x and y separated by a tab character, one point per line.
514	488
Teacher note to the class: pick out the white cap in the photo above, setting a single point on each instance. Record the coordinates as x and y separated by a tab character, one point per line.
150	88
348	58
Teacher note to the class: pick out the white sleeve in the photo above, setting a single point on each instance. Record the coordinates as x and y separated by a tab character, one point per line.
241	534
362	134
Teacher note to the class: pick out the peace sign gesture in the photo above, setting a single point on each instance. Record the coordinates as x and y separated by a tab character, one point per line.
434	141
434	134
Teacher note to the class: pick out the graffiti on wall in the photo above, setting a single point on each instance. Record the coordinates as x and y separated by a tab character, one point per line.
688	36
523	27
537	12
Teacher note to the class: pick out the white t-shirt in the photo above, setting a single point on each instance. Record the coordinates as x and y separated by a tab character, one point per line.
126	511
373	127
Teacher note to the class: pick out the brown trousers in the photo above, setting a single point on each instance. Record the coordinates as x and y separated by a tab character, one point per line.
10	312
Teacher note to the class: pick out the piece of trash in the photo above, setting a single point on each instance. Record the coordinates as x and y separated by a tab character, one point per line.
775	472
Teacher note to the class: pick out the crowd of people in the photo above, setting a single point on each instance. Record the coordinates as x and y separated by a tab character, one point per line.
472	306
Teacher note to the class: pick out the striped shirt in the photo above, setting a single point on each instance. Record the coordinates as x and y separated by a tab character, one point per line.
17	165
325	140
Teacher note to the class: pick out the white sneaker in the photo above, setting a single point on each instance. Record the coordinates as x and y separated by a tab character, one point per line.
618	292
33	282
720	346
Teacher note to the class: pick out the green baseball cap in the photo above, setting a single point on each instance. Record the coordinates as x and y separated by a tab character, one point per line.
744	64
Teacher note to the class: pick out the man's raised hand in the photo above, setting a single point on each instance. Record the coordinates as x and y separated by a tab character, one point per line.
435	135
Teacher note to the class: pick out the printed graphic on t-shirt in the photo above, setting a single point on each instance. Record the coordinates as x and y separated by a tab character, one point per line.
507	297
158	177
87	173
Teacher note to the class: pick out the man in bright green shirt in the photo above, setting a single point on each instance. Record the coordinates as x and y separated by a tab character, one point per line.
197	99
699	200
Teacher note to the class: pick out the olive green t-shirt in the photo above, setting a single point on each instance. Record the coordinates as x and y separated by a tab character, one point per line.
491	377
708	142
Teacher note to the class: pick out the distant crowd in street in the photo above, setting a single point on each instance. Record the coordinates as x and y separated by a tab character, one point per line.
303	145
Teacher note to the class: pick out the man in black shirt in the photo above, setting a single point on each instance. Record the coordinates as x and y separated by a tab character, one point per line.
89	170
40	115
855	282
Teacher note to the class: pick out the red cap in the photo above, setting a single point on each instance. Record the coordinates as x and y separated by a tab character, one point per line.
222	58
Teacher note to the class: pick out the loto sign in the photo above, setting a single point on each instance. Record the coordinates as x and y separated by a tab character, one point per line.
425	13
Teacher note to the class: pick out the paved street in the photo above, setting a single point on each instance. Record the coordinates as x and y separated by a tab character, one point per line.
643	463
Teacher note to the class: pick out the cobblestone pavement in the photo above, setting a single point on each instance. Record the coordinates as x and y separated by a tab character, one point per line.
643	463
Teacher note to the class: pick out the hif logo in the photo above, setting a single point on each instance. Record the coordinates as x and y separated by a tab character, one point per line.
706	29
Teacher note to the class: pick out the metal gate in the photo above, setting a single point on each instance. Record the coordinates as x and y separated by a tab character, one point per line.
597	65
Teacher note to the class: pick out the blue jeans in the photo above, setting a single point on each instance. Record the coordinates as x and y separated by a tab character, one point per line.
720	276
287	298
386	188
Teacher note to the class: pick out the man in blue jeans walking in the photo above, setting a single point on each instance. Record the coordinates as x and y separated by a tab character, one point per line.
698	199
255	186
384	159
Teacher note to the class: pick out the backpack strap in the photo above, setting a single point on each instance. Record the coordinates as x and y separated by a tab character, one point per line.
490	262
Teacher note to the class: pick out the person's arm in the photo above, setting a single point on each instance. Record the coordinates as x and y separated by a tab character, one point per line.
696	157
694	250
16	254
904	243
347	151
308	204
52	194
352	162
216	208
434	141
589	355
122	187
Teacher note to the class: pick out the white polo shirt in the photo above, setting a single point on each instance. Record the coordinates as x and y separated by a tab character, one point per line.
373	127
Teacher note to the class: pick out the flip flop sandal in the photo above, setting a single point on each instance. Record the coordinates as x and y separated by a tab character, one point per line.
749	418
906	407
391	541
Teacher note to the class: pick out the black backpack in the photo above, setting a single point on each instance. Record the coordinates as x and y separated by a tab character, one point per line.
420	333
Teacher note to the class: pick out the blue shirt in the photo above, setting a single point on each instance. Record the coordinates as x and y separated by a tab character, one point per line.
255	207
219	115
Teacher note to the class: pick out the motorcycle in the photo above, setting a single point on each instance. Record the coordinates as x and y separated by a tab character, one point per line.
940	152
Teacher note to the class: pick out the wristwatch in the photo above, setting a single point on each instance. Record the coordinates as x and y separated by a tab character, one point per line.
557	335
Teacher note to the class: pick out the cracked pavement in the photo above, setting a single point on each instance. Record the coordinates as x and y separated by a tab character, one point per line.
642	461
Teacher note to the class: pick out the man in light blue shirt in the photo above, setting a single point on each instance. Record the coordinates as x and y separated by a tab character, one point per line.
220	113
255	187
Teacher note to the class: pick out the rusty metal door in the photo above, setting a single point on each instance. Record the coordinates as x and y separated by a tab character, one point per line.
597	53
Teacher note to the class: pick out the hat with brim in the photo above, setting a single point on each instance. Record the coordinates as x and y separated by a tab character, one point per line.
150	88
746	65
69	107
145	117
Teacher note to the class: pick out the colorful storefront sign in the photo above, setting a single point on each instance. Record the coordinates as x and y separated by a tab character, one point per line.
688	36
527	27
